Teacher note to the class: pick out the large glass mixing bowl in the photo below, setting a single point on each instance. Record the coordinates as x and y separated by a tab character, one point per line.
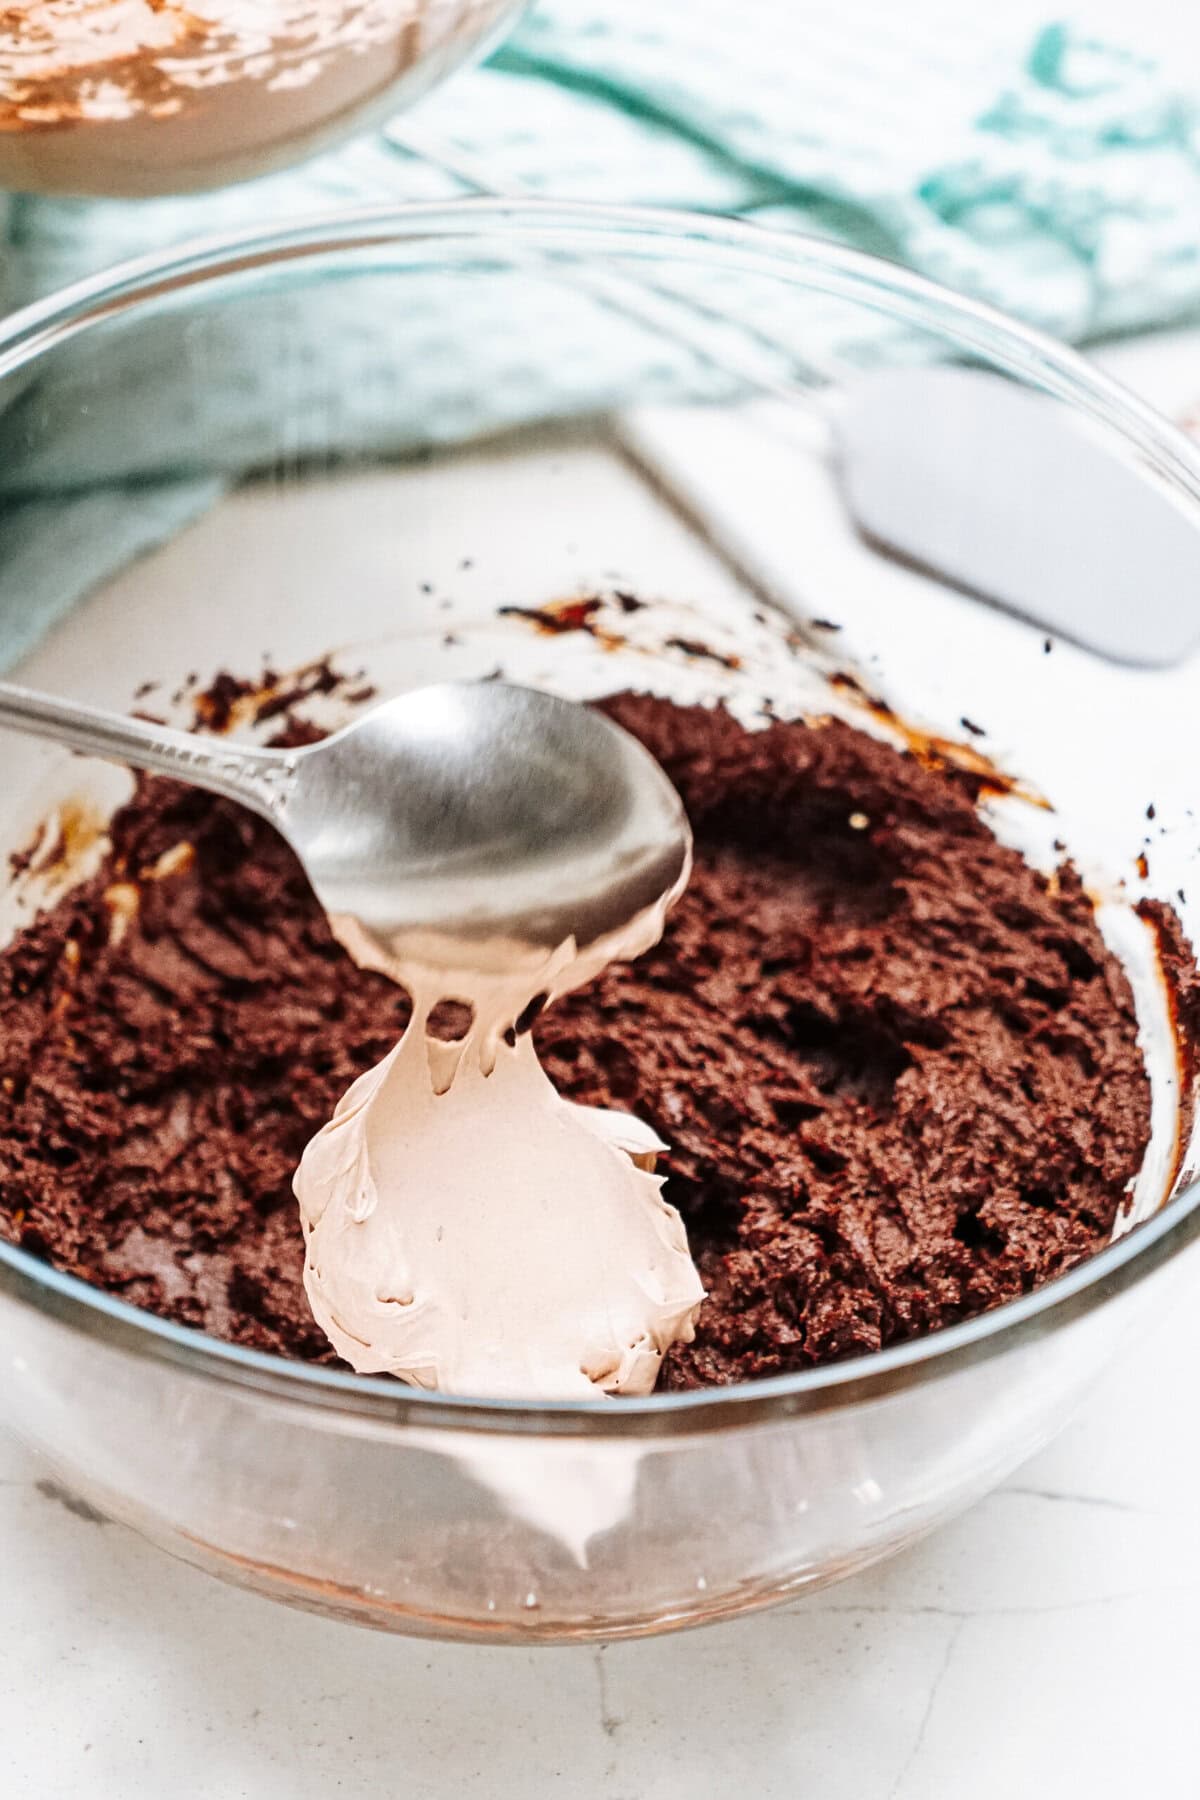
369	435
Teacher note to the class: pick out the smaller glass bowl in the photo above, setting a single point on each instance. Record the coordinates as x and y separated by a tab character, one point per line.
120	97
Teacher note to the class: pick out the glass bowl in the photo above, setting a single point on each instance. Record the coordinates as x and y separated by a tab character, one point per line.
136	97
370	436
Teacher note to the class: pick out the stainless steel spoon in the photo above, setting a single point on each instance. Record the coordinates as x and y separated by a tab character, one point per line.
459	814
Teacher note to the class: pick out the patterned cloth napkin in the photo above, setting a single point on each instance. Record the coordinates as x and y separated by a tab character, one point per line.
1052	174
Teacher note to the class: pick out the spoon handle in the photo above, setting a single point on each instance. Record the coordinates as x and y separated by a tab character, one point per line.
261	779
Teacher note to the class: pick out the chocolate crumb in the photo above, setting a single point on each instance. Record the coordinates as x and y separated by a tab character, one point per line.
213	706
696	647
558	616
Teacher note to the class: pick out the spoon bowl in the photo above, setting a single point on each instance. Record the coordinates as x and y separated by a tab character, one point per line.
468	814
464	817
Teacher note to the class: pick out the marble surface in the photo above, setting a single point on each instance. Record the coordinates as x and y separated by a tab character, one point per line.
1049	1639
1055	1628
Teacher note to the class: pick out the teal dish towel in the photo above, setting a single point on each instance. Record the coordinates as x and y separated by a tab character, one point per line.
1054	175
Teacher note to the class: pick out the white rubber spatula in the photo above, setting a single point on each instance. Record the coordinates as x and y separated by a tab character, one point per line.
1009	495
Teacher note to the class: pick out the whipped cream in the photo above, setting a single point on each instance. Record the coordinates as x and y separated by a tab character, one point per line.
467	1228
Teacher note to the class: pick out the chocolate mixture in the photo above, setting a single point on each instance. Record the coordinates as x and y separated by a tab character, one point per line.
897	1069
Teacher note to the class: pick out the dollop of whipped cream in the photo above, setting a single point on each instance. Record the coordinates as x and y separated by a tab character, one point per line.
468	1229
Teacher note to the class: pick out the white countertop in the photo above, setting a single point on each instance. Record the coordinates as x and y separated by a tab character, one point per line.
1049	1641
1055	1628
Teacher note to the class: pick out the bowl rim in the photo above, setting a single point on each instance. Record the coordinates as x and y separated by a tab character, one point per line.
627	232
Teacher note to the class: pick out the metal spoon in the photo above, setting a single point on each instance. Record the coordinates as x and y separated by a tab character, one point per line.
464	812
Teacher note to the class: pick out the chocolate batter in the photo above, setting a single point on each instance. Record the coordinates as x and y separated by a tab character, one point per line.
897	1069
